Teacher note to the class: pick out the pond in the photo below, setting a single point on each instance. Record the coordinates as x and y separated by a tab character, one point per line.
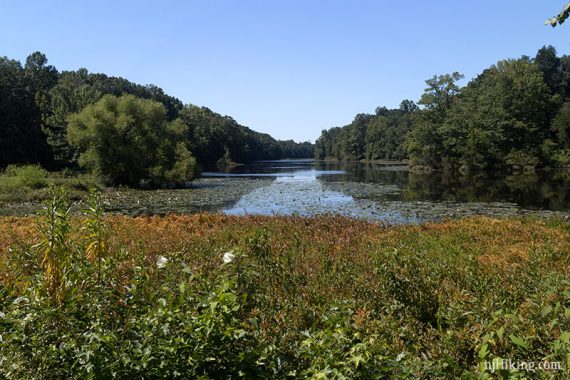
385	192
389	192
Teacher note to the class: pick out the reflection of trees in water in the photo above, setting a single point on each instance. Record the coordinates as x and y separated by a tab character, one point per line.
441	186
545	190
556	190
521	182
561	175
359	172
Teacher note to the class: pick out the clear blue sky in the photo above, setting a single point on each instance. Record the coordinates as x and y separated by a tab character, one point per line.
286	67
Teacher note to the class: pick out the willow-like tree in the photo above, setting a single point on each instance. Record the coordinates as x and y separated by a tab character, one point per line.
128	140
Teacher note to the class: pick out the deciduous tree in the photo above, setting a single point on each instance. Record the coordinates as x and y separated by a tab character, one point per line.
126	140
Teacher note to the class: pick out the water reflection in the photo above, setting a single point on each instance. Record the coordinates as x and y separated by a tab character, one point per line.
543	190
296	194
282	173
302	193
547	191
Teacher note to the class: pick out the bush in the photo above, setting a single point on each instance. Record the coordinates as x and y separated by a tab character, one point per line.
127	141
562	158
32	176
520	158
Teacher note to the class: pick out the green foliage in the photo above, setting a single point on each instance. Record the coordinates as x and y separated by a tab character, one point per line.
436	301
514	114
501	112
226	159
560	18
561	124
96	229
562	158
70	95
54	248
440	93
77	89
521	159
371	137
426	141
21	88
212	135
32	176
292	149
37	103
337	350
186	328
126	140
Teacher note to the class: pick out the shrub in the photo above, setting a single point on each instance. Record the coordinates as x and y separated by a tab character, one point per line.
521	158
562	158
32	176
127	140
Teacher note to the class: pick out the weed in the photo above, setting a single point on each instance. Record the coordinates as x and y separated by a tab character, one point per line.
212	296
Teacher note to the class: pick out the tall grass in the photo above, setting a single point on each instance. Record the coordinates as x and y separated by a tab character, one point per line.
54	248
96	230
211	296
31	176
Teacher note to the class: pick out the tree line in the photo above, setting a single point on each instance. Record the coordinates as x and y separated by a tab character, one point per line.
514	115
122	131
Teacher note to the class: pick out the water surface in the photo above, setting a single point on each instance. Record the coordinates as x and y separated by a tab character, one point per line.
389	192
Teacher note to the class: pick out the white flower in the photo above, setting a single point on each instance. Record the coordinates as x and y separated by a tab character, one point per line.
161	262
229	257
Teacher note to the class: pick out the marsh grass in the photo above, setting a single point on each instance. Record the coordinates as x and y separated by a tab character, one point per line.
96	231
54	247
31	176
31	183
216	296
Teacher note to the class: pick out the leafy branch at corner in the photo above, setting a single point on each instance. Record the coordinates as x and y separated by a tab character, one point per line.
560	18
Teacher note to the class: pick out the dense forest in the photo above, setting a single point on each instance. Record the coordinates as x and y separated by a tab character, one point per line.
38	104
514	115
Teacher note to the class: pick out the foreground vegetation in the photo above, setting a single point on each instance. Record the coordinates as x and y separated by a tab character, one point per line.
214	296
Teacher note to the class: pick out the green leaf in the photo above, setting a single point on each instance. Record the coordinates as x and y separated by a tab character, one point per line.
186	269
518	341
483	351
546	310
500	332
253	322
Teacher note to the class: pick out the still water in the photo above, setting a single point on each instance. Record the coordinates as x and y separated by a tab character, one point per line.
389	192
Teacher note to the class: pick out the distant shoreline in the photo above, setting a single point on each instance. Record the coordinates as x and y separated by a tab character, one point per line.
377	162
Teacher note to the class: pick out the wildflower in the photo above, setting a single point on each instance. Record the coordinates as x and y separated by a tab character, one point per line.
161	262
229	257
